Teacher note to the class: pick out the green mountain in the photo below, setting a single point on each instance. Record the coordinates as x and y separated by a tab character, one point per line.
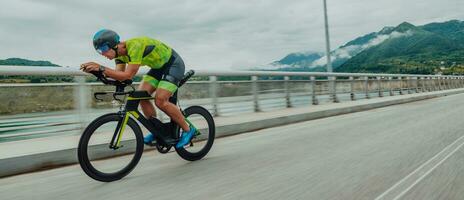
299	58
424	49
406	48
25	62
453	30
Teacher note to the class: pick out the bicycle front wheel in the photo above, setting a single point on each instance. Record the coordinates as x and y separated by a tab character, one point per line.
101	157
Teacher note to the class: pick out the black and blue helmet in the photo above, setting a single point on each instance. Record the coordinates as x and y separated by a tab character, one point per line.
105	40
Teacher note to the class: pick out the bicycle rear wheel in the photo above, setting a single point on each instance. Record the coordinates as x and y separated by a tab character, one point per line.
203	141
96	156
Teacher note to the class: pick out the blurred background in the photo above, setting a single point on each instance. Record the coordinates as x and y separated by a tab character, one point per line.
255	59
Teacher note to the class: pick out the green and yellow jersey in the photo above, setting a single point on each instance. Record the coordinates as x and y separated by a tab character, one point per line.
146	52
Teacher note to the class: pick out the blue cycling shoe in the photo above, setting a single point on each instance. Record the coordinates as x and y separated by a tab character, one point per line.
148	139
186	137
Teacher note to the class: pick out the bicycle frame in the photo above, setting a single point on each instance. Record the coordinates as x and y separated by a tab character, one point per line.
166	132
166	135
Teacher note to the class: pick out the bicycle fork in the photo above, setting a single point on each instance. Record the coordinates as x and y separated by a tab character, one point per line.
119	131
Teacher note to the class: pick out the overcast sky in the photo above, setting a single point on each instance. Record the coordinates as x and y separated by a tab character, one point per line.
208	34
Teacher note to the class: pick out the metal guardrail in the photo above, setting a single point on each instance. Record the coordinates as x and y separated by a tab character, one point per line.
383	84
421	82
71	71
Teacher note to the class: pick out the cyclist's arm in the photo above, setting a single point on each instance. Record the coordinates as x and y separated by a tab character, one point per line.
129	70
128	73
121	67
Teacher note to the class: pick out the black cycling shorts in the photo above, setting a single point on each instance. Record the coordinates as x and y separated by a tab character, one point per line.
168	76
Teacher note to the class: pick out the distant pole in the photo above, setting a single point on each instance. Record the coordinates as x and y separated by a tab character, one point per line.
327	41
332	89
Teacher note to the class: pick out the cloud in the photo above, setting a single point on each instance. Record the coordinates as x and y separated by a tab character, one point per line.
218	34
352	50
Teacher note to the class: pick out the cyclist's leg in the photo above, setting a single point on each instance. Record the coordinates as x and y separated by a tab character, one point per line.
147	106
149	83
162	102
173	73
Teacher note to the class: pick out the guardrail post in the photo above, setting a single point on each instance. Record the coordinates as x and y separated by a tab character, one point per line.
408	83
334	88
313	90
450	83
287	92
422	84
81	96
379	84
427	87
213	92
432	84
352	96
426	84
255	89
435	85
439	82
390	85
429	84
401	84
417	84
366	87
447	83
443	83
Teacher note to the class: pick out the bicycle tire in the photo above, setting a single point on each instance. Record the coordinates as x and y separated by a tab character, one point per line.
83	156
182	152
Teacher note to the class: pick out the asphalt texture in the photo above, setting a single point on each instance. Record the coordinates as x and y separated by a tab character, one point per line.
407	151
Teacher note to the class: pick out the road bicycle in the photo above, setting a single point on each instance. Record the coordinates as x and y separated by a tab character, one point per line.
112	145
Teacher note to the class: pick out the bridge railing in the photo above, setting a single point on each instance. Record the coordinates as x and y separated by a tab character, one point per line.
222	92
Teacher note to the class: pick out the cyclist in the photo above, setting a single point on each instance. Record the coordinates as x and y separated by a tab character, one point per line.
167	69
